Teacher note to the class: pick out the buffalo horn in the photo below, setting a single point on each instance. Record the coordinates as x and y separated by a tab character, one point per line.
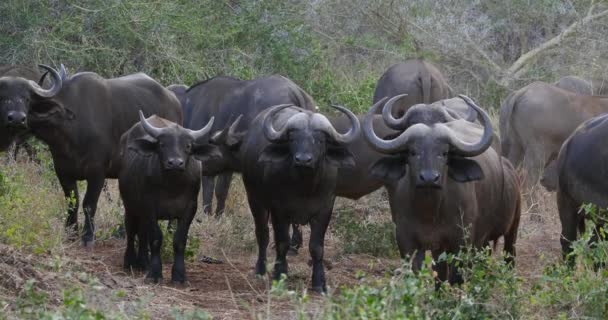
386	146
197	134
387	114
153	131
470	150
271	134
320	122
47	93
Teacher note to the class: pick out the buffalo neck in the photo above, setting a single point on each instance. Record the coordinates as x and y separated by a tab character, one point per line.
427	203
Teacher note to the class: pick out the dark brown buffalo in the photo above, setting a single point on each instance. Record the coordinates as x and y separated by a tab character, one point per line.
81	118
581	170
419	79
290	159
447	187
160	179
536	120
225	98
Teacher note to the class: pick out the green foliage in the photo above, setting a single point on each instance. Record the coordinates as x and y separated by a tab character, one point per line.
359	236
31	211
166	252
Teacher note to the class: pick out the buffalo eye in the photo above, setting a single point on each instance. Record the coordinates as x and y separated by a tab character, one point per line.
188	147
413	153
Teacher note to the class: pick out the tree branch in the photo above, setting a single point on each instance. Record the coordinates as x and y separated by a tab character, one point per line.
521	65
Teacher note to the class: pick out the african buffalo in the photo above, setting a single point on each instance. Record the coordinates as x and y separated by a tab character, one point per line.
536	120
81	118
582	86
159	179
290	175
581	167
575	84
447	187
226	98
419	79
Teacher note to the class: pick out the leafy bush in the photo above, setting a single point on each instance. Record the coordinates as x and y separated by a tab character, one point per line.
358	235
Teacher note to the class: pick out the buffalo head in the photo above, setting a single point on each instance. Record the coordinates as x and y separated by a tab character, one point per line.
19	95
305	139
432	143
174	144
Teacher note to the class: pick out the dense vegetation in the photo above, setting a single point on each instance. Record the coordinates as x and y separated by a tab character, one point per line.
335	50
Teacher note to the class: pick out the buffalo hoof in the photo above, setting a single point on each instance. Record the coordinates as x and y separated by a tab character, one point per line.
260	269
179	284
151	280
320	290
89	244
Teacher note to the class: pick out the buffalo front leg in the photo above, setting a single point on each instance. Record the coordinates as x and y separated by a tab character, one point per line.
89	207
180	238
208	184
409	250
281	239
260	217
155	241
318	227
70	190
130	260
222	186
569	219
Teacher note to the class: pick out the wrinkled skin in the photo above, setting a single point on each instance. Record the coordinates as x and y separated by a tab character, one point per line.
226	98
434	191
82	125
581	169
291	180
536	120
160	180
419	79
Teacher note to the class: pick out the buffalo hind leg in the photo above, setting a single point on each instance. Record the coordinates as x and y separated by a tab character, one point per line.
318	227
207	183
155	241
296	240
70	190
180	238
260	217
510	239
89	206
281	239
222	186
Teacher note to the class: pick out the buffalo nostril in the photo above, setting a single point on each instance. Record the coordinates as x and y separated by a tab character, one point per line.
303	158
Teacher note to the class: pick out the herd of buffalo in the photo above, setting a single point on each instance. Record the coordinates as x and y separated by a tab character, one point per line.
450	180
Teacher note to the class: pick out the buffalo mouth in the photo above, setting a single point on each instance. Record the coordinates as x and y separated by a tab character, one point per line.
428	186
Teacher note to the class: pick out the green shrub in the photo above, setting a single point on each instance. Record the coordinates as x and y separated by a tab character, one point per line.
358	235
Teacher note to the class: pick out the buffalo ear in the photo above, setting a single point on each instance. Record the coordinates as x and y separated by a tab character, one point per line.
144	146
389	169
340	157
464	170
205	152
274	153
